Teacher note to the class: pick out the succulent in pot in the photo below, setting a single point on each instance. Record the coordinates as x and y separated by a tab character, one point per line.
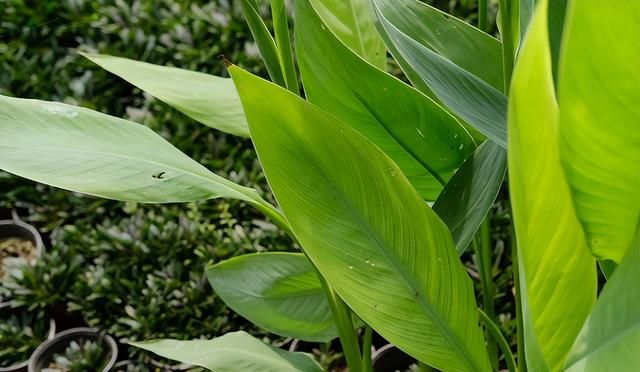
19	243
21	332
75	350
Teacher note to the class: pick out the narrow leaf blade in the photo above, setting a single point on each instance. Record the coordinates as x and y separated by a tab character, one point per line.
279	292
209	99
233	352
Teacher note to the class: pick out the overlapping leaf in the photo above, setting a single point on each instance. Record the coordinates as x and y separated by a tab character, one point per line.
209	99
352	22
365	228
599	91
233	352
424	140
610	337
279	292
450	59
470	193
558	277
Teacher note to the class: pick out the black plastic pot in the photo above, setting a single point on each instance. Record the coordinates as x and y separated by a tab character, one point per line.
390	359
7	311
18	229
43	354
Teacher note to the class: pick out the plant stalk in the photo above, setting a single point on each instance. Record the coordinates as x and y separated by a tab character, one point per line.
367	362
522	363
507	13
283	43
482	15
344	324
483	248
504	345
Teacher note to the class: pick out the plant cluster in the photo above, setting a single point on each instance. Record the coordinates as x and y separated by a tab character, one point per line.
79	356
382	198
20	335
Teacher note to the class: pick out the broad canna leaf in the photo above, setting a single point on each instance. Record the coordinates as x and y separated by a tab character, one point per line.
233	352
279	292
365	228
86	151
470	193
352	22
443	66
599	92
558	274
426	142
209	99
610	337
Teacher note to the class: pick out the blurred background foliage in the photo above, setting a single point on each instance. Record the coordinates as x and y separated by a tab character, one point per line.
133	270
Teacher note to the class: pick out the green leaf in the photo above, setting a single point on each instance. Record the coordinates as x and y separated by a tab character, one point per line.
441	63
428	144
352	22
86	151
469	195
209	99
264	41
365	228
558	274
610	337
233	352
279	292
599	90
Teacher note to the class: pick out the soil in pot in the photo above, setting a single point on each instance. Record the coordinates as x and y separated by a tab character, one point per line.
75	350
21	332
12	249
391	359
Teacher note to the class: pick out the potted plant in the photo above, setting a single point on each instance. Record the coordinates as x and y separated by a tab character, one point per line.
21	332
75	350
20	243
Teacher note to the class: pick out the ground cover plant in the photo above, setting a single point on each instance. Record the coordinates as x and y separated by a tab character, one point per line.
383	198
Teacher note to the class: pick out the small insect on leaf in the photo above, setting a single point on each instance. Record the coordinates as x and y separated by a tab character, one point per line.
159	176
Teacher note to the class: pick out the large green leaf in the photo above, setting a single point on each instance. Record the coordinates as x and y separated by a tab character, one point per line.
365	228
442	67
279	292
427	143
469	195
233	352
610	338
352	22
209	99
558	274
599	90
85	151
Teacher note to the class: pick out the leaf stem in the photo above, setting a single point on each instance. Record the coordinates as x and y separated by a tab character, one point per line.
507	13
522	365
482	15
283	43
367	362
344	324
504	345
483	249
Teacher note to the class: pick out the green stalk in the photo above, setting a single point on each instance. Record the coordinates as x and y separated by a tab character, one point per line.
367	362
508	10
344	324
482	246
482	15
504	345
283	43
522	363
